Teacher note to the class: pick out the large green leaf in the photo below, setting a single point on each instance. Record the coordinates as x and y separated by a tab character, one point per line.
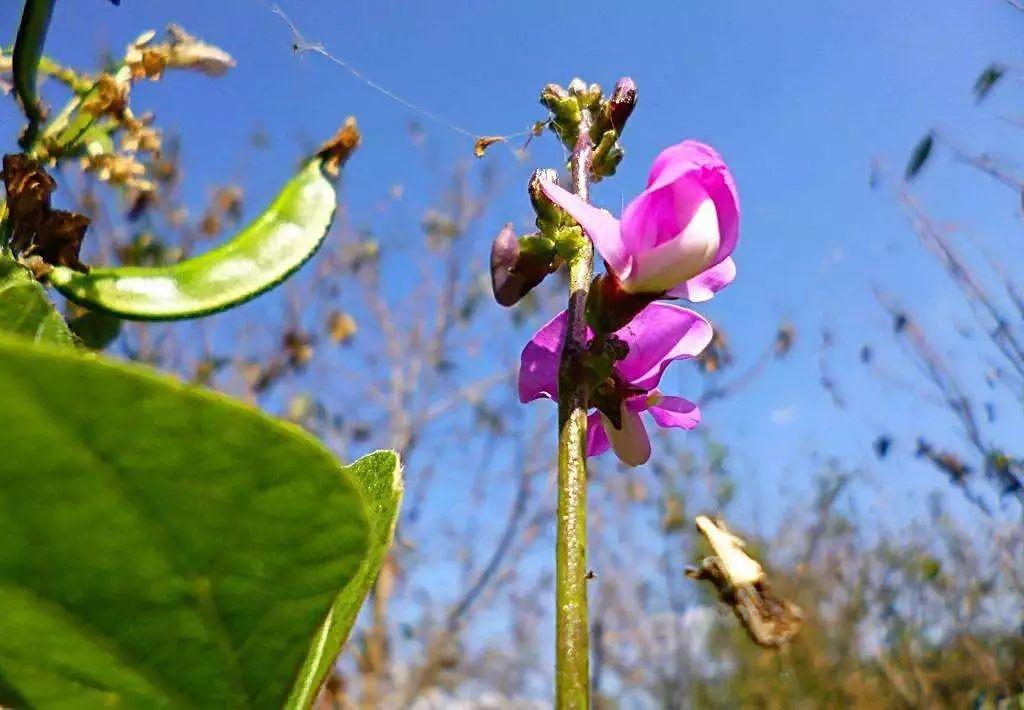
24	307
383	489
164	546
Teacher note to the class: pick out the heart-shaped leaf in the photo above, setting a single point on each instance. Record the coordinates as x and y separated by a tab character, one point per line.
164	546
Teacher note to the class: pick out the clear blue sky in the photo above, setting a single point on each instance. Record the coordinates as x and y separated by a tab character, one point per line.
799	97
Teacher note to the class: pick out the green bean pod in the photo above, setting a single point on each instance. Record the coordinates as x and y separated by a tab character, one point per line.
28	49
262	255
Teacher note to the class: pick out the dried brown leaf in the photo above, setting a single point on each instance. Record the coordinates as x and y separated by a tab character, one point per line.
769	620
28	188
188	52
109	98
59	241
53	236
336	152
341	326
484	142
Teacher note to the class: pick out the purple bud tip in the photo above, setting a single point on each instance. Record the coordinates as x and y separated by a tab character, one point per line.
506	285
622	102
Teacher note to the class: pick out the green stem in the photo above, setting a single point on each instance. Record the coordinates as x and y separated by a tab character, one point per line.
572	653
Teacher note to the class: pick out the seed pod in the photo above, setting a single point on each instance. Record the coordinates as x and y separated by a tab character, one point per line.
262	255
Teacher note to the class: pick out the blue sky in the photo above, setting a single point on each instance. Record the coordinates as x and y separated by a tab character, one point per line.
800	98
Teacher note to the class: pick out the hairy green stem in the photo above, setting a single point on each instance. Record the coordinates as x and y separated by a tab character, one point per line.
572	653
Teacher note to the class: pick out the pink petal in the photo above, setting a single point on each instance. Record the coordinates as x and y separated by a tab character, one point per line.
678	256
705	285
703	163
630	443
659	334
538	365
676	412
661	212
597	439
599	225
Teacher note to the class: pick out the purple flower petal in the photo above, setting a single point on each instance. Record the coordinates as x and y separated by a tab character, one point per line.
676	412
705	285
630	443
659	334
599	225
538	365
703	162
660	213
597	439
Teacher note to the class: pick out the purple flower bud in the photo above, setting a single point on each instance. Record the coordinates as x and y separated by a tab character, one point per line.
515	271
507	286
621	103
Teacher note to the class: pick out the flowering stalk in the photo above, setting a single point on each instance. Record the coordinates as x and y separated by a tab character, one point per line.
572	652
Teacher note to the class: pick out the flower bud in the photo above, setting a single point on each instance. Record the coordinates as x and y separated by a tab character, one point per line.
607	156
548	214
552	94
577	87
518	265
621	103
565	112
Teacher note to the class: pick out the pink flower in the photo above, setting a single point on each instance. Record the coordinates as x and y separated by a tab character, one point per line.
676	237
659	334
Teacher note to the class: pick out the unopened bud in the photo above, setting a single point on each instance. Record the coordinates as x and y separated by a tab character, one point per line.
577	87
547	212
518	265
622	102
565	112
554	90
607	156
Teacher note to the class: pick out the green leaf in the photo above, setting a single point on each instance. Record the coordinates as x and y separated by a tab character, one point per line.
95	330
164	546
919	156
28	49
24	307
375	474
987	79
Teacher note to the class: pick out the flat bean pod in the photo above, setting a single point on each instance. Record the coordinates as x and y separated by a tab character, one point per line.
262	255
28	49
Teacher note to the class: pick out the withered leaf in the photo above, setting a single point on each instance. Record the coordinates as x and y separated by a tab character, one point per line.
59	241
987	79
28	188
484	142
341	326
298	347
339	149
54	236
784	339
919	156
741	582
108	98
188	52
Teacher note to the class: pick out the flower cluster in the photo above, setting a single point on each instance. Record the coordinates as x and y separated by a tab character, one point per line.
675	240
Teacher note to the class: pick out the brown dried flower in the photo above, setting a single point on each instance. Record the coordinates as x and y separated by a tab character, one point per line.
109	97
53	236
339	149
